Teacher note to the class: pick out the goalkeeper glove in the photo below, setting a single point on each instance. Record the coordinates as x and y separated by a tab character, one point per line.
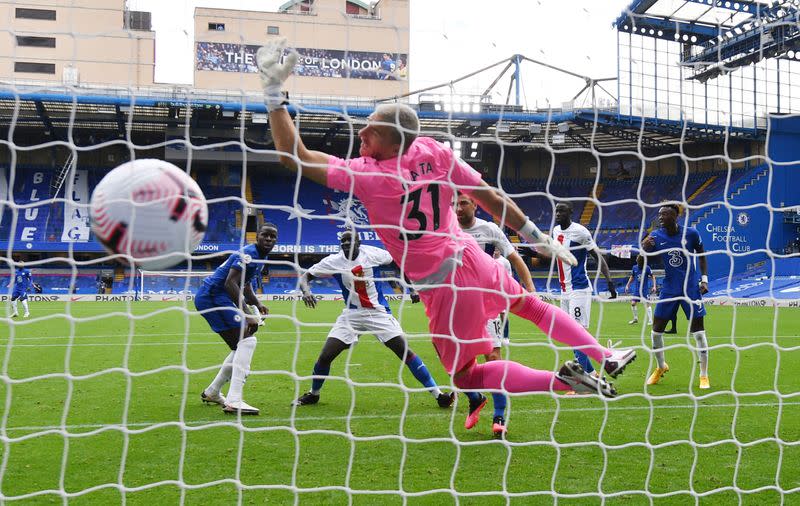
530	233
273	72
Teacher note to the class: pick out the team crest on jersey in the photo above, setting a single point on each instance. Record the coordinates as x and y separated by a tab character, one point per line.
354	213
246	259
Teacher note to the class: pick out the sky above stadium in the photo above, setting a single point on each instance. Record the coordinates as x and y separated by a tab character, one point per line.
449	39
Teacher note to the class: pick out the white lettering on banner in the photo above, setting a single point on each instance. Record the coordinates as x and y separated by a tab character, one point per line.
726	234
27	234
38	177
76	211
32	212
207	247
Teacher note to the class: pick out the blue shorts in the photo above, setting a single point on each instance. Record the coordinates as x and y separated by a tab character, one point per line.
19	296
667	310
218	309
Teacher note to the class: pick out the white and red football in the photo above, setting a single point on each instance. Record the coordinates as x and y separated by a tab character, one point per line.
151	212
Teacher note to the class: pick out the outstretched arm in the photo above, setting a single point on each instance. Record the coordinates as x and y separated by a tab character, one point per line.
312	164
503	208
293	153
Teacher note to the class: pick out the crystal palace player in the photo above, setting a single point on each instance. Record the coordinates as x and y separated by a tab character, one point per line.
644	282
576	289
22	285
222	301
495	243
366	311
672	242
407	185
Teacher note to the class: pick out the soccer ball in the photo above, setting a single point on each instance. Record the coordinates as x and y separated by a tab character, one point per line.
150	211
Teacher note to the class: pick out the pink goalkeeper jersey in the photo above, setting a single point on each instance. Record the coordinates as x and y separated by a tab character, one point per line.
409	201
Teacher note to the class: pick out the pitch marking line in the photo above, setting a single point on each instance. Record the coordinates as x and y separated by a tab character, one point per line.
265	421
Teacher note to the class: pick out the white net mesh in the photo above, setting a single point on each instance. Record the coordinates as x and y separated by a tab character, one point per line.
101	384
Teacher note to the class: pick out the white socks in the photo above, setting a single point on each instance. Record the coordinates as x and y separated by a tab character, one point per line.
13	306
435	392
649	314
241	367
224	374
658	346
702	350
635	313
25	305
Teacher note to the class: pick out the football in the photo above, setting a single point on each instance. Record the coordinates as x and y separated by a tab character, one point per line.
150	212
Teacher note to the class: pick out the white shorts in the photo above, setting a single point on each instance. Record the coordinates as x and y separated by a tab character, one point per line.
497	329
578	304
354	322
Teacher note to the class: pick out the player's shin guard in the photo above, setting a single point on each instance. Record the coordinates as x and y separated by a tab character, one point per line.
421	373
320	373
241	367
556	323
702	350
224	374
658	346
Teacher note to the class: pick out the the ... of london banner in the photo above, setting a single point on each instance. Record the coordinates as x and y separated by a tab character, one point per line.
227	57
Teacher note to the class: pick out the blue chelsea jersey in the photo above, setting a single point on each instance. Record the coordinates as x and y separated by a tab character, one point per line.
22	280
679	268
248	260
641	281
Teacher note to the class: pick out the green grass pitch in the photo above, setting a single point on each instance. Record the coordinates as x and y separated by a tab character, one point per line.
102	402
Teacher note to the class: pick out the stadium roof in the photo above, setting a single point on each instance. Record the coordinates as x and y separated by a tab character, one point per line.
672	19
108	117
722	35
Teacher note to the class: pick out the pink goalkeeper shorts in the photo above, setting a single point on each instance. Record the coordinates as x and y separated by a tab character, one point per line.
470	293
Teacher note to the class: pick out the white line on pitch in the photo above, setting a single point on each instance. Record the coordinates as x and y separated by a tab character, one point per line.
265	420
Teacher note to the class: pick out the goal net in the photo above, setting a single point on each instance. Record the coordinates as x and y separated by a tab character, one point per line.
684	102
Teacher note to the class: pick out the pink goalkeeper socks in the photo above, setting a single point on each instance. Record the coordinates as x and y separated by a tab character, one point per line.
557	324
509	376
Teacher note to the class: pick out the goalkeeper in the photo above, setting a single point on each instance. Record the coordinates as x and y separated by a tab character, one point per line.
407	185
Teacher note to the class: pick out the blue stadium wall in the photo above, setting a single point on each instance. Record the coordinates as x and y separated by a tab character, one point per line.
739	235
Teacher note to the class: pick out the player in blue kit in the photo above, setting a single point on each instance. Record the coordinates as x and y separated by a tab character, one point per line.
222	300
22	284
644	282
355	269
682	288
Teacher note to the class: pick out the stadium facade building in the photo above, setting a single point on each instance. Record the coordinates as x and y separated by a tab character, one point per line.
73	42
336	39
